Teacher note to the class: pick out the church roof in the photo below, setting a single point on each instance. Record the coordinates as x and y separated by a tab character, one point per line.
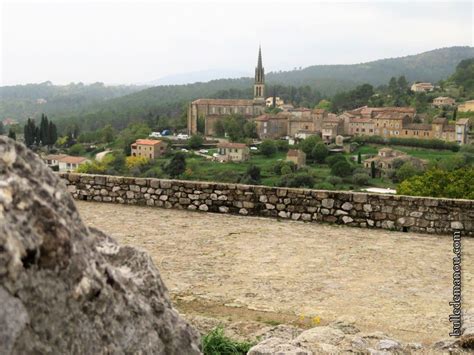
224	102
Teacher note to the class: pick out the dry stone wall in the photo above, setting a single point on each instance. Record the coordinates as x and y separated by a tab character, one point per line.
403	213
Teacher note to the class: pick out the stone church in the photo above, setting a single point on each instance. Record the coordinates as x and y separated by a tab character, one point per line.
213	110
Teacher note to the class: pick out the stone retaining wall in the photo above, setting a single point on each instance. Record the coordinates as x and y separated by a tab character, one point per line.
403	213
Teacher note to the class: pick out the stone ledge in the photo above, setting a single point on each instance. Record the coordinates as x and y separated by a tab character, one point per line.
366	210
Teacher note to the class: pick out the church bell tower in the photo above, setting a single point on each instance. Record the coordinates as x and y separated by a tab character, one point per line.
259	86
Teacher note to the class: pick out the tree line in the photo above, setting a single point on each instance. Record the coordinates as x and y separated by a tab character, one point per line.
45	134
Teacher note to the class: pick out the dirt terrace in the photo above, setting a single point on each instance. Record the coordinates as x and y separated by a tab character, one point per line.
262	269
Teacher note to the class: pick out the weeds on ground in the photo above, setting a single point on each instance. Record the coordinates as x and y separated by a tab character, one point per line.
216	343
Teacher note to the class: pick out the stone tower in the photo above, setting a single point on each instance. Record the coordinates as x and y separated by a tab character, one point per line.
259	86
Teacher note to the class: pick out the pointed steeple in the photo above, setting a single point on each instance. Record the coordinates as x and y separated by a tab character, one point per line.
259	86
259	71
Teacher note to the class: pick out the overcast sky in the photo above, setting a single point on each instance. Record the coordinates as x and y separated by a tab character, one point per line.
133	42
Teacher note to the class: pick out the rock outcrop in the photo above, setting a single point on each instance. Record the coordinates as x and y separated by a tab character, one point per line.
65	288
342	337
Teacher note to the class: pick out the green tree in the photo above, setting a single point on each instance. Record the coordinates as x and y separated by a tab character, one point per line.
77	150
44	130
252	175
250	130
320	153
267	147
324	104
402	83
282	145
107	134
341	169
359	158
308	144
406	171
373	170
29	132
439	183
2	128
52	135
333	159
12	134
195	142
176	166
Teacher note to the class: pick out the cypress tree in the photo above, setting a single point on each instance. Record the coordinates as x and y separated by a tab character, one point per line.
44	126
37	136
12	134
359	158
372	169
52	134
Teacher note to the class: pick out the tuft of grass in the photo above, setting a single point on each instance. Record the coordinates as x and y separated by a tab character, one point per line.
272	322
216	343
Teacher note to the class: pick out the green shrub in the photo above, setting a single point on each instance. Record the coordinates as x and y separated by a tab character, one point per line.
195	142
216	343
282	145
341	168
268	147
297	180
319	152
334	180
279	165
360	179
333	159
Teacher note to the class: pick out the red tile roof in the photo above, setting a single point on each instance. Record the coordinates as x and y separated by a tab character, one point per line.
72	160
147	141
232	145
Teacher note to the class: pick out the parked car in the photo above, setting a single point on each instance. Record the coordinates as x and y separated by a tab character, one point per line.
155	134
215	155
253	148
203	151
184	150
166	132
182	136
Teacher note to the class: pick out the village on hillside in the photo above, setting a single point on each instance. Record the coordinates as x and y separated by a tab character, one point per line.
268	141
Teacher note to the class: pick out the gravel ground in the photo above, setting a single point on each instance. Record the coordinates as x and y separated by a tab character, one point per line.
398	283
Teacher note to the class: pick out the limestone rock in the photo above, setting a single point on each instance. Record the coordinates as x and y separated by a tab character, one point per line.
65	288
282	331
326	335
279	346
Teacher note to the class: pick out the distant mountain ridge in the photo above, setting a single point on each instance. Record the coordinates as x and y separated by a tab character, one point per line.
93	106
430	66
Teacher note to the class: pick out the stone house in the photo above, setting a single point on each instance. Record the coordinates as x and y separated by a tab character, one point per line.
422	87
52	160
298	157
148	148
384	160
361	127
331	128
440	128
233	152
443	101
70	163
272	125
467	106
